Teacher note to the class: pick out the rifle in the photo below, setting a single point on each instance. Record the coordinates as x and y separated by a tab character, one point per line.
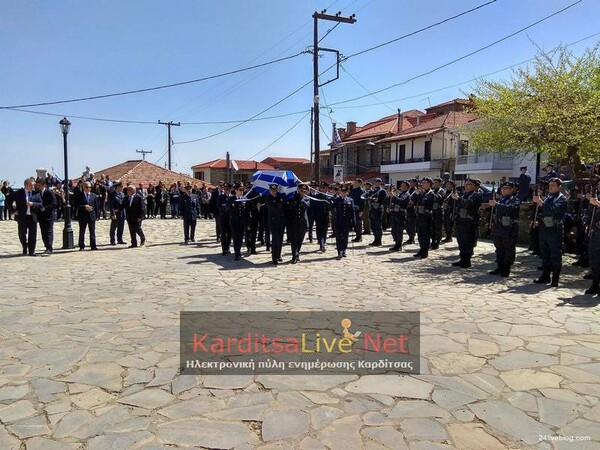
489	229
537	207
592	216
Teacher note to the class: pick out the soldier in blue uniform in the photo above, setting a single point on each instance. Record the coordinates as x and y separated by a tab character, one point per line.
357	194
223	218
254	218
467	221
448	211
398	204
366	218
189	211
551	214
424	205
239	218
594	242
321	207
411	213
296	210
345	217
438	214
378	200
117	213
274	204
506	228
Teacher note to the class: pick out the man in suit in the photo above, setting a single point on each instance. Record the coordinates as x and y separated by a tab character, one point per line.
86	205
47	214
117	215
28	203
134	212
189	208
524	184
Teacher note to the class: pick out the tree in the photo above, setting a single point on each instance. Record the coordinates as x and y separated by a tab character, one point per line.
552	107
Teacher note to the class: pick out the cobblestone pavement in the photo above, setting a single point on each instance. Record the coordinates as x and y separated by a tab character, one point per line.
89	351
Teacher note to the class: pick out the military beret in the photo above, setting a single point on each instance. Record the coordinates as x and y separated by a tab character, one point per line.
227	185
450	181
429	180
509	184
437	179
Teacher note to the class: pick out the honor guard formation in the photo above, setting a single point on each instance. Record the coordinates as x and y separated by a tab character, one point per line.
434	211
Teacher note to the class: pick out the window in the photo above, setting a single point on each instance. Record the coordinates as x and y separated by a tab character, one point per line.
199	176
427	151
401	153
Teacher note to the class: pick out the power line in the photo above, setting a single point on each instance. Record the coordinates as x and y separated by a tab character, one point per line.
249	119
462	82
362	86
462	57
280	137
155	88
433	25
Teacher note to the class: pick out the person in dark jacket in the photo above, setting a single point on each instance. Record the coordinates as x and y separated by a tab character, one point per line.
47	214
28	203
274	204
86	205
467	221
134	214
505	229
321	207
117	214
524	184
345	215
357	194
297	215
239	219
189	209
222	204
398	205
426	198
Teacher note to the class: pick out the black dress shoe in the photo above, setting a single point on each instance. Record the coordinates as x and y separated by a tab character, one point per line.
279	259
33	254
113	243
237	257
496	271
343	254
588	276
253	252
122	243
81	249
418	255
274	263
132	246
294	261
457	263
94	248
143	242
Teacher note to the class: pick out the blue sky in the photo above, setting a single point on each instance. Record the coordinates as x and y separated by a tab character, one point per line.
60	50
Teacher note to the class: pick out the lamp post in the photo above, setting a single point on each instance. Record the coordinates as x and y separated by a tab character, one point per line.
68	242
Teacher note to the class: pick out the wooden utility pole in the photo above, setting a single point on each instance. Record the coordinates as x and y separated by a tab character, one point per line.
316	85
169	125
144	153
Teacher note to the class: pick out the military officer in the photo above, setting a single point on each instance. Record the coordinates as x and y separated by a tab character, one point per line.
239	218
398	204
297	211
551	214
467	221
424	204
224	218
366	218
378	199
438	214
594	244
274	204
448	211
189	208
321	207
254	218
411	214
117	213
505	229
345	216
357	194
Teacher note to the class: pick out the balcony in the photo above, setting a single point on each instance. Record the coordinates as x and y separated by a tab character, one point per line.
410	165
483	163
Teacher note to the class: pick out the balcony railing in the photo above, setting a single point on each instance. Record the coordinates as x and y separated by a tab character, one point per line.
481	158
405	161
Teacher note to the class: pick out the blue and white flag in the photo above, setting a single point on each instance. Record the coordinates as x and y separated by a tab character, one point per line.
337	140
286	179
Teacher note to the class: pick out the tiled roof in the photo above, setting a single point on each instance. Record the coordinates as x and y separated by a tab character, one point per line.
379	128
242	165
139	171
443	121
460	101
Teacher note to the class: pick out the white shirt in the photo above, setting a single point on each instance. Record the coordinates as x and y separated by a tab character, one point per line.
28	199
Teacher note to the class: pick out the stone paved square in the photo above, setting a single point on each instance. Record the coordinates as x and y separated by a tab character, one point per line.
89	351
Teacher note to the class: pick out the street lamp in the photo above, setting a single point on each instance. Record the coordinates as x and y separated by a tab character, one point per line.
68	242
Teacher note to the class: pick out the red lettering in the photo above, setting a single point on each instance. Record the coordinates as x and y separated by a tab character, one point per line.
199	343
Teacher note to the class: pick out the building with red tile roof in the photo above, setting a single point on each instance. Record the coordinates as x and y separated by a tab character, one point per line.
138	171
216	170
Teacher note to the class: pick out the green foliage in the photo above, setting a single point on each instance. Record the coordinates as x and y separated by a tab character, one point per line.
551	107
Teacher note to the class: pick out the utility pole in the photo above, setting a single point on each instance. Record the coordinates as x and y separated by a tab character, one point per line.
316	85
312	154
144	153
169	125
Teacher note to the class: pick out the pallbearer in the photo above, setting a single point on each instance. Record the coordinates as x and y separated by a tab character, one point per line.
343	210
239	218
551	214
297	211
274	204
506	229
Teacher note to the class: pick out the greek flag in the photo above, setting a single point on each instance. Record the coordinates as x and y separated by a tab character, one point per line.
286	179
336	140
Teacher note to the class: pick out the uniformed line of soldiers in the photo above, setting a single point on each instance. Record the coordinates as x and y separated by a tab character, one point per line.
439	212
